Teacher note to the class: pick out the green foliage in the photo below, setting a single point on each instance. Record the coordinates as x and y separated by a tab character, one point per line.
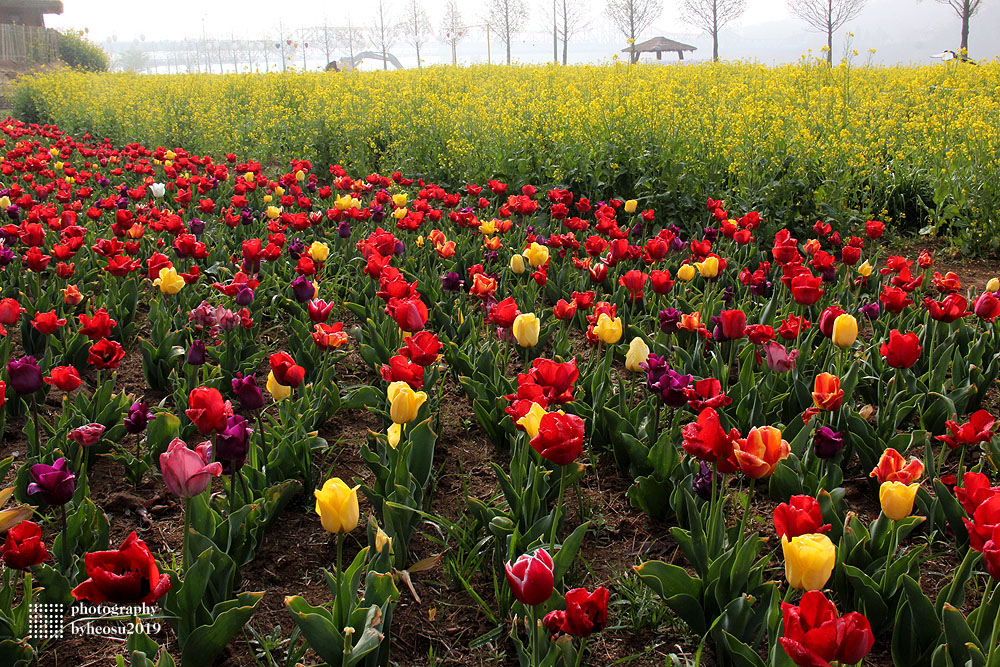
80	53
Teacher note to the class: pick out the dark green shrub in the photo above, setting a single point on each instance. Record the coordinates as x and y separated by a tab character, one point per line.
79	52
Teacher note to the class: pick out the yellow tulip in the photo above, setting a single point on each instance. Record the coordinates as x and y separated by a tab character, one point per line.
300	176
685	274
268	199
488	227
319	251
845	330
169	282
279	391
170	155
337	506
5	202
525	329
273	212
897	498
399	200
249	177
13	516
537	254
630	206
399	213
517	264
865	269
709	268
809	560
608	330
404	402
345	202
993	285
637	354
530	421
280	191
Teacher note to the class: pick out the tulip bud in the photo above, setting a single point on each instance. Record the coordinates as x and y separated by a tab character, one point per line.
630	206
845	330
382	541
530	577
278	391
517	264
809	560
897	498
337	506
685	274
637	354
993	285
865	269
525	329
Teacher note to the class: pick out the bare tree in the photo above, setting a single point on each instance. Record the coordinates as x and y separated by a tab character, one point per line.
711	16
568	18
633	17
382	34
416	25
965	9
507	17
826	16
454	28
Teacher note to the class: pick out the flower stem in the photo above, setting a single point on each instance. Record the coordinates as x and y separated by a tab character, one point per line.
746	513
65	538
186	546
558	507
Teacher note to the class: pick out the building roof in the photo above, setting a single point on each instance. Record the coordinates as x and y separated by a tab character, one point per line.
45	6
658	44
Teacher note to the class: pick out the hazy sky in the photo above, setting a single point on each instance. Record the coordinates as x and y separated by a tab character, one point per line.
899	30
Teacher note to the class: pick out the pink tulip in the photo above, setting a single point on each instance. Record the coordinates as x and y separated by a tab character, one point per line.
87	435
187	472
778	358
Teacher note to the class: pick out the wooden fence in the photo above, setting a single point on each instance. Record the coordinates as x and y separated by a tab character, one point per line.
20	43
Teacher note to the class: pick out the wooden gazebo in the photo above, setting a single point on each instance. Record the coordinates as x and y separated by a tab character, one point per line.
29	13
657	45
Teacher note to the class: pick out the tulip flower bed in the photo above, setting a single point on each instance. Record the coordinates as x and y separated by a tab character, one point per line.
310	417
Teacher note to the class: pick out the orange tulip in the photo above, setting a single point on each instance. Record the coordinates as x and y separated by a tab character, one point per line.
758	454
827	395
892	467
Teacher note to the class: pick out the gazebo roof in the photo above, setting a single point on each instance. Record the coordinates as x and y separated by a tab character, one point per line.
45	6
658	44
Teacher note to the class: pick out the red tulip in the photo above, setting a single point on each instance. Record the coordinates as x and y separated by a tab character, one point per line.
422	348
978	429
850	255
65	378
319	310
806	288
128	575
105	354
987	306
985	522
952	308
874	230
503	313
902	350
285	370
991	554
706	393
792	326
734	323
207	410
530	577
975	490
548	379
705	438
827	318
584	300
661	281
329	336
801	515
410	314
827	395
564	310
560	438
586	613
47	323
814	636
759	453
96	327
23	546
401	369
634	281
894	299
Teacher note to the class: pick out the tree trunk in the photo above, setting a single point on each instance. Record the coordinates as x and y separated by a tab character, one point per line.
454	55
508	48
965	28
555	34
829	47
418	56
715	46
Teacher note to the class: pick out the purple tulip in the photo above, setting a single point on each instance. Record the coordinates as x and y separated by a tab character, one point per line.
828	442
871	310
344	229
296	248
6	255
197	226
711	234
303	290
196	353
451	282
244	297
670	320
138	417
25	375
246	390
228	320
666	383
54	483
702	482
232	444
